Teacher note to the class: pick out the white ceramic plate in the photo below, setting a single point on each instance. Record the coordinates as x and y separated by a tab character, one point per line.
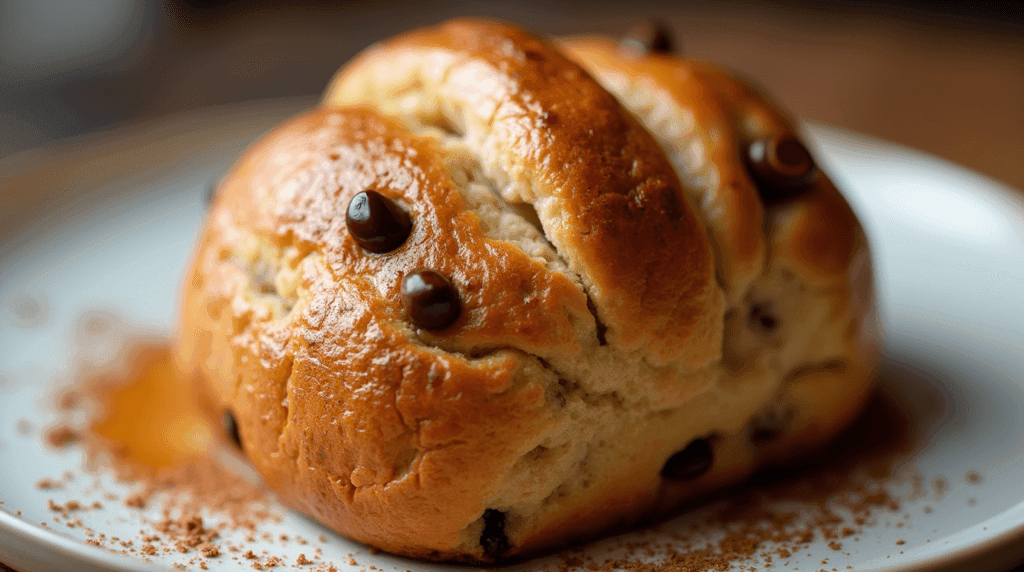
110	220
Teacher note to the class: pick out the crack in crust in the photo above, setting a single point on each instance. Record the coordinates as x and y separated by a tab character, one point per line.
500	219
596	181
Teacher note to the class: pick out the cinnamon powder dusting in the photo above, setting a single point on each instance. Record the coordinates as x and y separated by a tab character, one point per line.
143	424
146	420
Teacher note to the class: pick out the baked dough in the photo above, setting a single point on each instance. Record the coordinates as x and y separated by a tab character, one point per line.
636	320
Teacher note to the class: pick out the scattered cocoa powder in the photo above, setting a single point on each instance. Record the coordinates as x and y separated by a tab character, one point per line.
838	495
940	486
68	399
29	311
180	481
49	483
60	437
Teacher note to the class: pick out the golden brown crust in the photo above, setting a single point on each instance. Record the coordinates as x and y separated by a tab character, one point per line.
705	118
524	405
616	208
338	382
720	115
290	368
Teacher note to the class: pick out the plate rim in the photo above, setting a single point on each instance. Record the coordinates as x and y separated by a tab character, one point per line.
33	535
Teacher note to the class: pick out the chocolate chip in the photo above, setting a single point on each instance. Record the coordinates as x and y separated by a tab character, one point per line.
493	539
762	318
780	165
690	463
649	36
376	223
430	299
231	429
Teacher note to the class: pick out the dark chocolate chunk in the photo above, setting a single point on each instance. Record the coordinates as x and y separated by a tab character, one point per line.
493	539
690	463
780	165
649	36
376	223
762	319
231	429
430	299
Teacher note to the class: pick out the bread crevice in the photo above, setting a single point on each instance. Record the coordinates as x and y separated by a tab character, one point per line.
679	134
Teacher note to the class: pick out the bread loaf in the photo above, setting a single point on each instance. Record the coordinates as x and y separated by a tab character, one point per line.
495	293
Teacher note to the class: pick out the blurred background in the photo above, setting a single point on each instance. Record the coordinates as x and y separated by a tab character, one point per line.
946	77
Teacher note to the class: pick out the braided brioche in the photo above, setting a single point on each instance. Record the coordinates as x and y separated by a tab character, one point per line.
496	294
